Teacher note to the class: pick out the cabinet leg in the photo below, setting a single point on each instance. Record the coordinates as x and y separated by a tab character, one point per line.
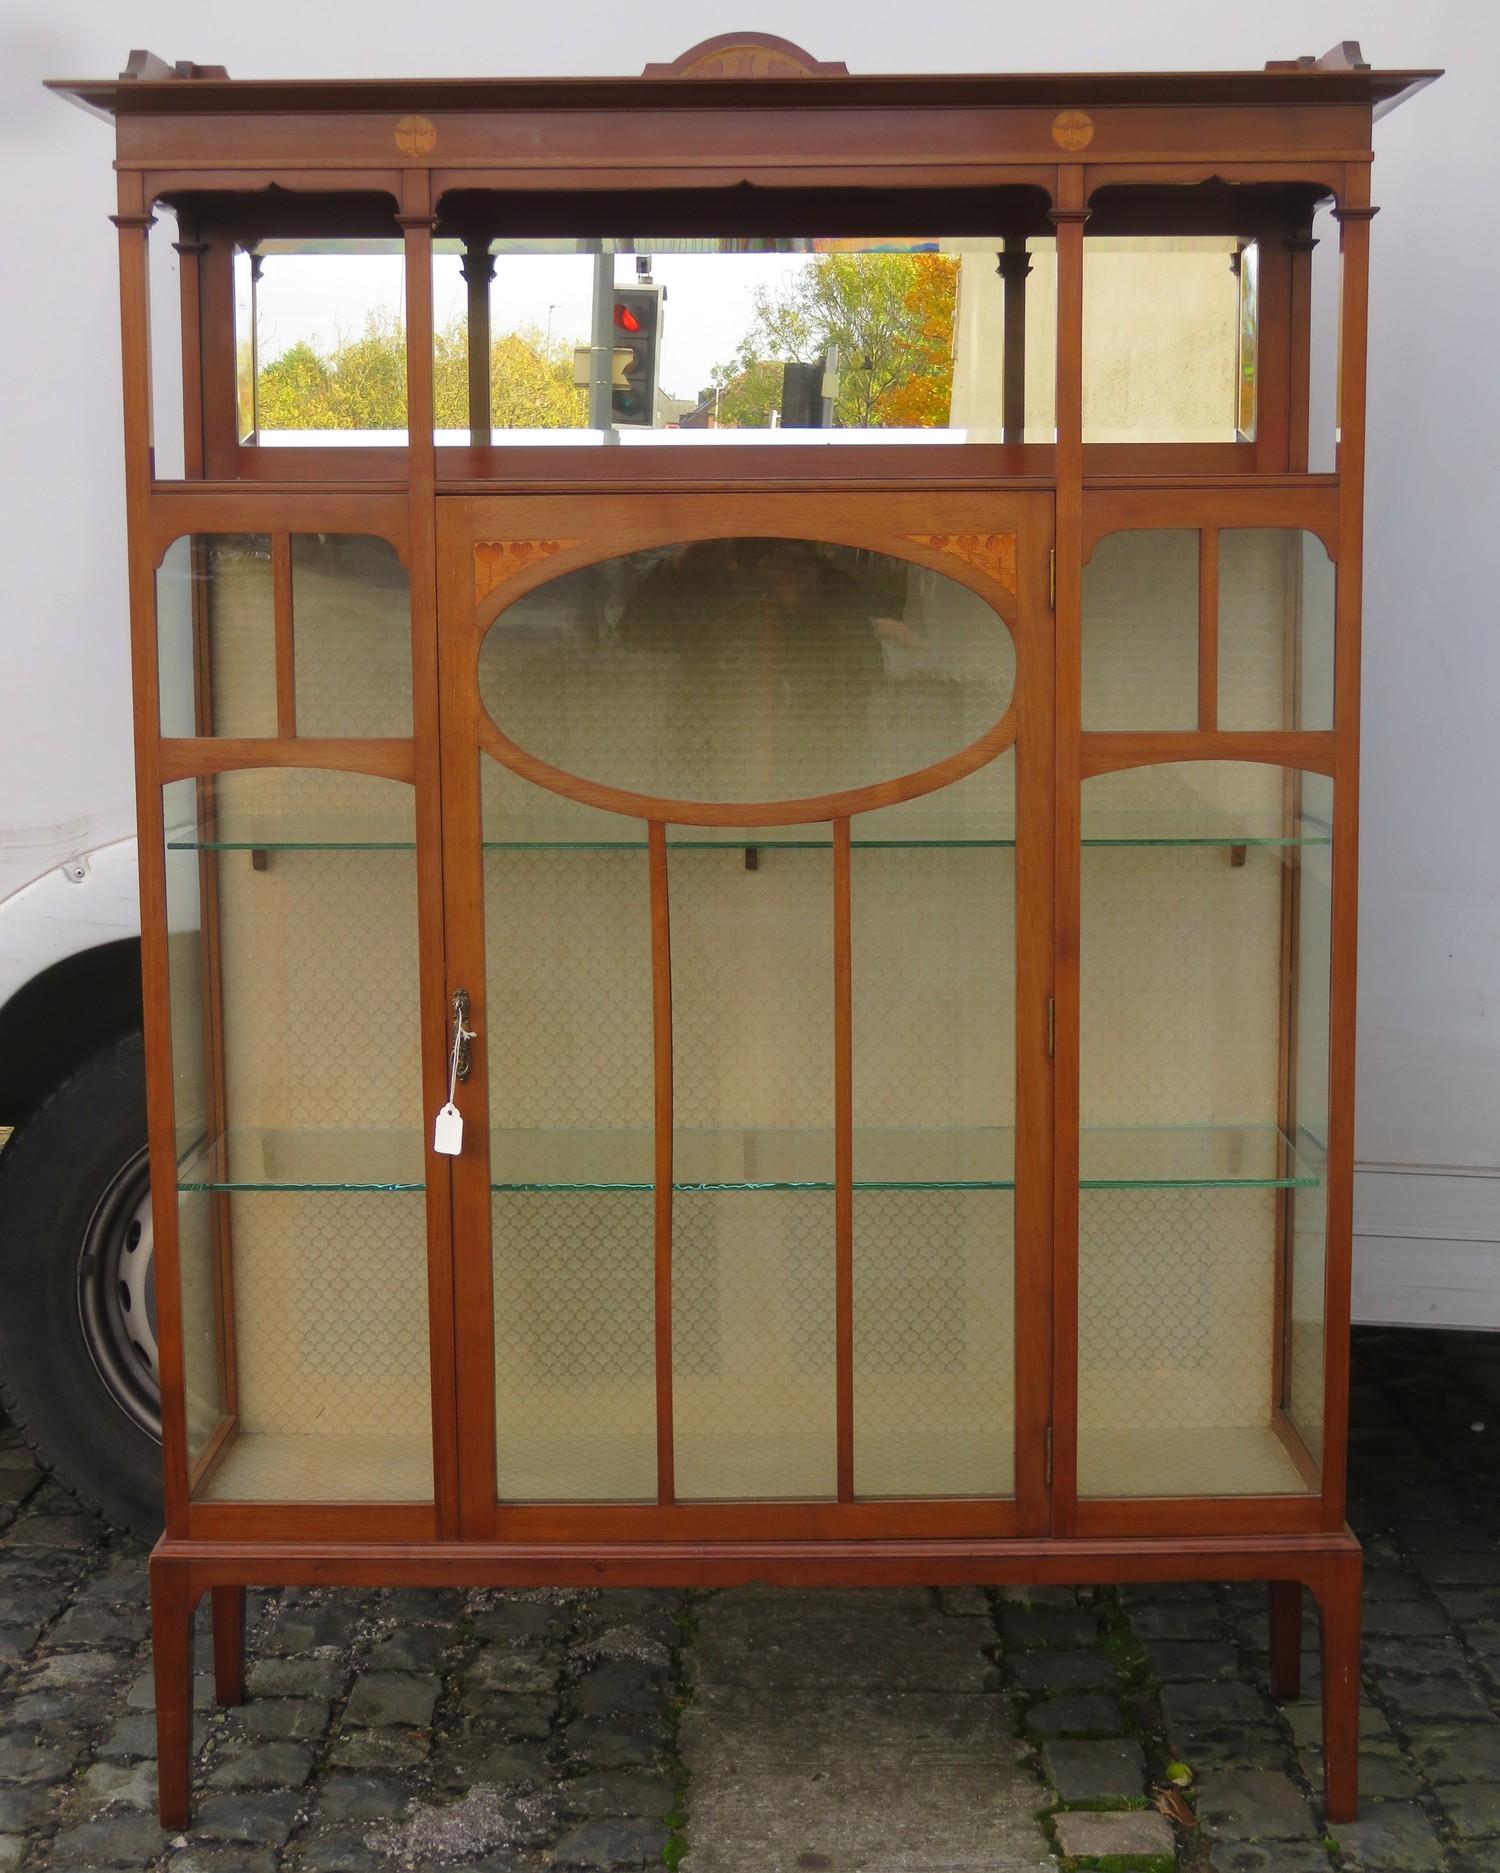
1338	1605
229	1644
173	1603
1286	1639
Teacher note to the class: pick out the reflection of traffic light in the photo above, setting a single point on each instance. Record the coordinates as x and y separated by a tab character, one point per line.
637	346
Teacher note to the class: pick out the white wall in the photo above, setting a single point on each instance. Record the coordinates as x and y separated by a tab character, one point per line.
1430	976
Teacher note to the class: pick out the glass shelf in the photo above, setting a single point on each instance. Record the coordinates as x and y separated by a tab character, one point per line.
1119	829
1111	1158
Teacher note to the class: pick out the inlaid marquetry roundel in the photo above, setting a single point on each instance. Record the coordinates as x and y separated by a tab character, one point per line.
788	677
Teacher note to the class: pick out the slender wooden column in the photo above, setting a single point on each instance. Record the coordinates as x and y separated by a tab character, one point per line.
216	350
283	634
1299	247
1208	630
843	1156
416	219
1068	215
1015	266
189	254
661	1016
1354	215
133	221
478	269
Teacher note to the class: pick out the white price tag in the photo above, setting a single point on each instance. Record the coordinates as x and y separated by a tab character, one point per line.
448	1132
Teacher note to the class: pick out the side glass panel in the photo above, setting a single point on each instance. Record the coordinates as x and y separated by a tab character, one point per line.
291	899
747	669
739	340
568	937
351	629
932	911
1276	592
1204	1061
216	647
1169	338
320	342
753	1351
1140	630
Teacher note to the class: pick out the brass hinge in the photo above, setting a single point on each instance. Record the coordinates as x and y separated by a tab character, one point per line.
1049	1454
1051	1027
1052	578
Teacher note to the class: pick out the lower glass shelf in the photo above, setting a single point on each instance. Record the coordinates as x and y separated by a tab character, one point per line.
1186	1460
938	1158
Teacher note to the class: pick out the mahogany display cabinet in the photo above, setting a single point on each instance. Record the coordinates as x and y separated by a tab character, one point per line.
786	645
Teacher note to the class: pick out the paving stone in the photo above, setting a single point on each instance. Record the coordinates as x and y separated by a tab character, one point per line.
527	1719
1083	1715
264	1765
12	1851
618	1792
1306	1720
461	1761
621	1686
627	1843
210	1859
1387	1776
1027	1626
261	1820
412	1648
99	1626
1187	1705
141	1694
21	1808
1430	1700
54	1531
1457	1753
1473	1808
1229	1746
1254	1805
130	1840
516	1619
296	1718
802	1641
1389	1837
964	1602
1099	1836
66	1671
1283	1857
1174	1621
1404	1619
1186	1659
1060	1671
318	1676
1113	1770
130	1738
370	1797
341	1850
1438	1657
383	1698
133	1784
524	1671
592	1741
17	1642
380	1749
299	1629
23	1759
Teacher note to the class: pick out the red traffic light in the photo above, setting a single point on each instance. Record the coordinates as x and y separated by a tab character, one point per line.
626	319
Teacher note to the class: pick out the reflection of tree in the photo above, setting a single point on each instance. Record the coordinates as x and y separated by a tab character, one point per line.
891	317
360	382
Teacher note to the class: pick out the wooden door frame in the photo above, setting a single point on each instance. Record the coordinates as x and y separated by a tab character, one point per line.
531	539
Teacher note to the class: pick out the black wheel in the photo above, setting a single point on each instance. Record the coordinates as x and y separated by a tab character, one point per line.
78	1369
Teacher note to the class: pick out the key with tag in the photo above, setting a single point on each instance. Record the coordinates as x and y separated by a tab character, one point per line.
448	1127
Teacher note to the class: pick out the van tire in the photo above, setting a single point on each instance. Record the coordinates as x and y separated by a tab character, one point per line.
72	1173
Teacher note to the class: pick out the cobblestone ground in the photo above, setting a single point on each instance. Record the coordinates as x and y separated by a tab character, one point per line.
593	1730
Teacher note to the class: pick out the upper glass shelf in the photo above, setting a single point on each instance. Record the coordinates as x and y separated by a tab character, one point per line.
939	1158
1116	829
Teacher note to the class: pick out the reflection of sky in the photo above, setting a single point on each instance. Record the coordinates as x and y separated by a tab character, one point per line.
322	297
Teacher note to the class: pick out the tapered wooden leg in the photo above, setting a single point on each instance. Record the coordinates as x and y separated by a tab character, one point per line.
1338	1605
229	1644
172	1605
1286	1638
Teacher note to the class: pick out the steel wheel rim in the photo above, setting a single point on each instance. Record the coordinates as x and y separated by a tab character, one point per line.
117	1295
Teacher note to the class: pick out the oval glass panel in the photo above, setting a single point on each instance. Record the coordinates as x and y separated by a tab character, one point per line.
747	670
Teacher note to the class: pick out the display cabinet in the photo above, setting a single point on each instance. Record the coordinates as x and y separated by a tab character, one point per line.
747	793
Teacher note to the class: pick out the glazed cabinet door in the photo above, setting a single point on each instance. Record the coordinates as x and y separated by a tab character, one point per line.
302	1226
747	858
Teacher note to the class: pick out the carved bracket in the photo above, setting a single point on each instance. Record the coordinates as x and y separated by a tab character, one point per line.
993	554
495	561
